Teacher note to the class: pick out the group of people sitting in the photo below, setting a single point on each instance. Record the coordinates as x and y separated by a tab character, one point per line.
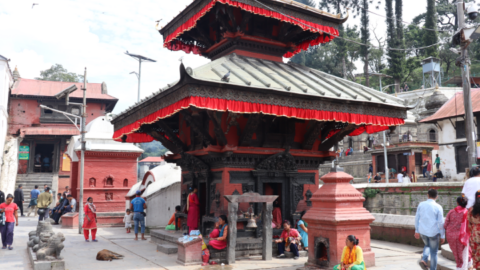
65	204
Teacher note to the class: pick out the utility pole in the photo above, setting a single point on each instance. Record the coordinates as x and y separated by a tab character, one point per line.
82	161
467	96
385	156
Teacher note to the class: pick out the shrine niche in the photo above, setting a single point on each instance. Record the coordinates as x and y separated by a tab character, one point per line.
247	122
108	196
125	182
92	182
108	180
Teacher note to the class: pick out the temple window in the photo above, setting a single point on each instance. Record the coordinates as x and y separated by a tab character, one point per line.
432	136
125	183
92	182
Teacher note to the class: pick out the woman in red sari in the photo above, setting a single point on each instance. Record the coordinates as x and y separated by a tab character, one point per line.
193	209
277	215
218	237
457	236
90	220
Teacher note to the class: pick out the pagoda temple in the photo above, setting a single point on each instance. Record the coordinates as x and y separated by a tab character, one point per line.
247	121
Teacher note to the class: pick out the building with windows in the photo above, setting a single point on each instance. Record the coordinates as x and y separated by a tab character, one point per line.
451	136
6	82
44	133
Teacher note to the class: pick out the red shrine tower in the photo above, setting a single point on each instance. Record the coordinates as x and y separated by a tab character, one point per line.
247	121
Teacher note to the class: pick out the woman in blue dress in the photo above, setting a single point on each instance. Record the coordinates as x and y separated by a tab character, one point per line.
303	230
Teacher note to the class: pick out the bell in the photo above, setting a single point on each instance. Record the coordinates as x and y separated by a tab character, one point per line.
252	223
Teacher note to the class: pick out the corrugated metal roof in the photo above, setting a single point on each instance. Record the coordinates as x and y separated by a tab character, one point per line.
278	76
454	107
29	87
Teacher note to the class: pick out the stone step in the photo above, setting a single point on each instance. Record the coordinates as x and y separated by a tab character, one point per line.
444	263
447	252
167	249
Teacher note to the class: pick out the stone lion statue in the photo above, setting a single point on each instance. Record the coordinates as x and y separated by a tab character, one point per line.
53	249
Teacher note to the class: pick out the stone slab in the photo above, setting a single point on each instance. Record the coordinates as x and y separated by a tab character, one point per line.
447	252
302	253
167	249
44	265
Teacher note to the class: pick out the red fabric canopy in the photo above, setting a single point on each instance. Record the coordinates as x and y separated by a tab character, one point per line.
368	123
176	45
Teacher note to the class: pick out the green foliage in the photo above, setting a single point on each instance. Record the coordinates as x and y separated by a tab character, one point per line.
307	2
431	37
58	73
370	192
152	149
365	37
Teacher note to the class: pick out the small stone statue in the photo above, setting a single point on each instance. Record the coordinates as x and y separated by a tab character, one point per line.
53	249
39	238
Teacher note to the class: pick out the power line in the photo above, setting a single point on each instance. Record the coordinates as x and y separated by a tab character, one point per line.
349	40
408	23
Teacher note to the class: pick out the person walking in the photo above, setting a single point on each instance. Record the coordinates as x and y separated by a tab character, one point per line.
18	198
193	209
424	168
471	186
429	169
414	177
429	226
33	201
474	229
90	220
457	234
370	172
437	162
43	202
138	205
11	220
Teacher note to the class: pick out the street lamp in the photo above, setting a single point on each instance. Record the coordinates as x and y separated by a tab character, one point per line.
140	59
66	94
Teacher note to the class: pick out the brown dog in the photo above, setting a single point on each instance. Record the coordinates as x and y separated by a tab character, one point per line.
107	255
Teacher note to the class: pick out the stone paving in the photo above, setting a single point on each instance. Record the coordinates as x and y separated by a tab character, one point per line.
143	255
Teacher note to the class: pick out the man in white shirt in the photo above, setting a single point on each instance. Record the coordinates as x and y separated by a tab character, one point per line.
400	177
471	186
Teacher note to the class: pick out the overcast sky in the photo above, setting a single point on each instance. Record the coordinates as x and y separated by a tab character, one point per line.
95	34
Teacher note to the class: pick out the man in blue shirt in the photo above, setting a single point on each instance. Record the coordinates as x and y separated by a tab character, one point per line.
33	201
429	226
137	205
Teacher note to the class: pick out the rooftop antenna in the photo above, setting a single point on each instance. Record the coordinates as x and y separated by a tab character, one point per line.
140	59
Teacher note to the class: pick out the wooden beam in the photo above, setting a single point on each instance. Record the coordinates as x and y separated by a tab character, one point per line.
250	128
232	17
207	139
312	134
217	128
199	35
330	142
292	32
205	38
245	20
329	126
173	137
165	142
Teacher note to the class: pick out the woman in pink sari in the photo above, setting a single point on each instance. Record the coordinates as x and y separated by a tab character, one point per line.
193	209
457	234
218	237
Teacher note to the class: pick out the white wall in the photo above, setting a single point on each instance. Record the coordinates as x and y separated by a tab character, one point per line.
6	80
161	206
447	135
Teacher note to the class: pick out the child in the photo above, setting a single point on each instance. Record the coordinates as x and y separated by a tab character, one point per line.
171	222
128	220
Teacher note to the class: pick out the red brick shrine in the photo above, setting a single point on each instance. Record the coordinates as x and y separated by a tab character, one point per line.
247	121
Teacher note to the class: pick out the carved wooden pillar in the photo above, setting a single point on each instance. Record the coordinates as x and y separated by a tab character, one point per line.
267	231
232	231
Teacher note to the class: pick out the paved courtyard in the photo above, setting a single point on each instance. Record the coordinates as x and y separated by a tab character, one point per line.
143	254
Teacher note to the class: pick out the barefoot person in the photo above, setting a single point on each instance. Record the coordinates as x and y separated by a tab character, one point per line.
218	237
90	220
429	226
138	205
352	255
10	210
457	233
288	241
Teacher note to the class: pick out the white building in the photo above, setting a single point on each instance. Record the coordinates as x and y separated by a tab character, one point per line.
6	82
451	134
161	188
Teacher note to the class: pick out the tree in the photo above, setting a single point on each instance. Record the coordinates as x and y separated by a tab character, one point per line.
395	39
152	149
431	37
58	73
365	34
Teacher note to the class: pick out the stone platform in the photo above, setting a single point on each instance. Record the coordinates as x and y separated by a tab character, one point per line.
246	247
44	265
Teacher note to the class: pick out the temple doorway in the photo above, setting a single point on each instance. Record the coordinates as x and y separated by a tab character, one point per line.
44	154
202	197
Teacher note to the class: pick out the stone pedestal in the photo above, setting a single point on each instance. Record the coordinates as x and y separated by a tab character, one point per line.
190	253
337	211
70	220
